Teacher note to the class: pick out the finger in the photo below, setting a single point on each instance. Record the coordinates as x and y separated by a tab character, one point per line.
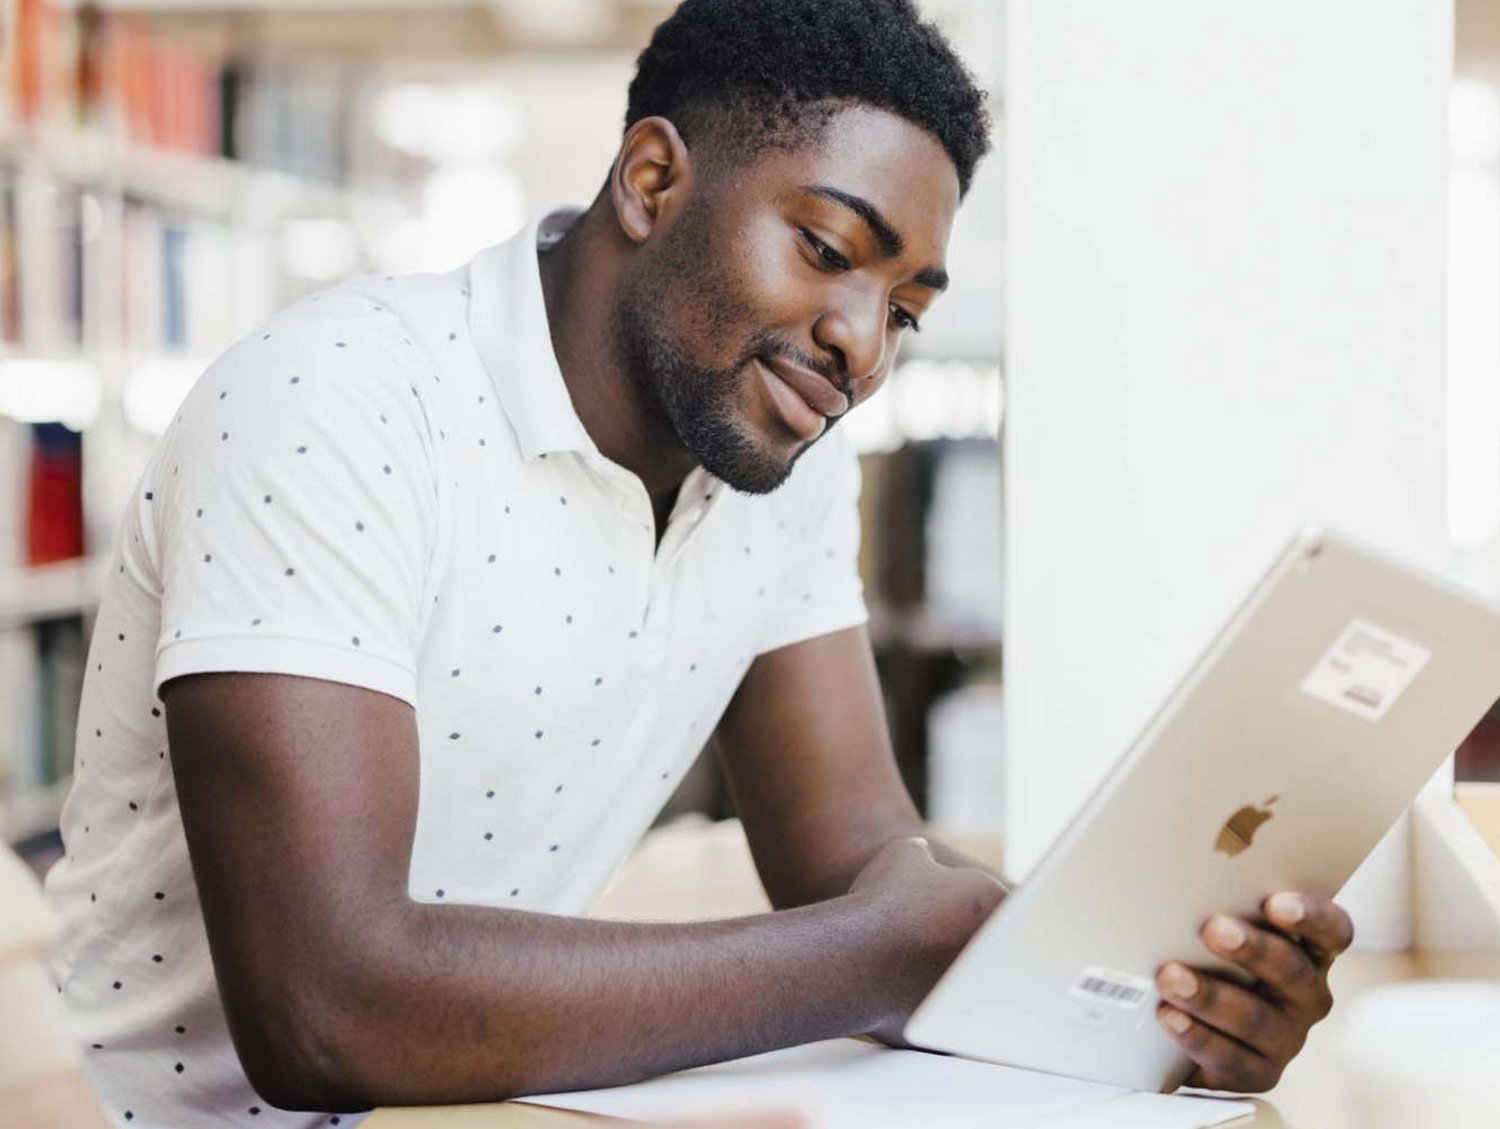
1323	927
1221	1062
1285	969
1236	1011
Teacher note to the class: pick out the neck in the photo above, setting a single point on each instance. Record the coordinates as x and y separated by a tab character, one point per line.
580	277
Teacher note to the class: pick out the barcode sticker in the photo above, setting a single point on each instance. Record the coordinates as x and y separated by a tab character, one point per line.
1365	670
1118	989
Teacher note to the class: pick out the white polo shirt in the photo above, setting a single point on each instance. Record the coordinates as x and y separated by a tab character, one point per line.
387	486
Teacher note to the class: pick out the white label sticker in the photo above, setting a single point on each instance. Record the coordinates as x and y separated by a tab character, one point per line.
1366	670
1118	989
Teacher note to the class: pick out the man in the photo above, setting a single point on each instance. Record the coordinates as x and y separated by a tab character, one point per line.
444	580
41	1083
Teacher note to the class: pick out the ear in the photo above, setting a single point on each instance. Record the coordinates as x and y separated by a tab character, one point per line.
651	174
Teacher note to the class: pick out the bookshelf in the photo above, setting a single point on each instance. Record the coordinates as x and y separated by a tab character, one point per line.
922	631
98	187
146	188
212	187
931	563
61	590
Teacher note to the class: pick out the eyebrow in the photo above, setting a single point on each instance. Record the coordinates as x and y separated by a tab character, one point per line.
887	238
931	276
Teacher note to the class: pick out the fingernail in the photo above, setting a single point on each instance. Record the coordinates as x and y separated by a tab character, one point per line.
1177	1021
1179	982
1226	933
1289	908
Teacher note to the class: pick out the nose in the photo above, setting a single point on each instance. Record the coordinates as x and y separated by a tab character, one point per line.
855	330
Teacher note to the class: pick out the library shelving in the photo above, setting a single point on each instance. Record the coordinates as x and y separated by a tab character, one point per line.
146	189
62	590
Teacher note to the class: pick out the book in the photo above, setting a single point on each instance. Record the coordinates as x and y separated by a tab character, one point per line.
10	267
21	768
54	497
61	654
127	234
962	536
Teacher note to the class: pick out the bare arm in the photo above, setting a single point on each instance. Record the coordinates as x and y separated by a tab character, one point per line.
299	802
804	744
808	756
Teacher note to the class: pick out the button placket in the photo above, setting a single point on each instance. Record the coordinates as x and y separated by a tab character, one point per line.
639	540
686	526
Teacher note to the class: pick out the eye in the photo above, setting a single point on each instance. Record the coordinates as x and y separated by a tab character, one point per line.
832	260
903	319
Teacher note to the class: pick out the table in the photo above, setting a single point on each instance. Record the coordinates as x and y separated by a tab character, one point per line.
699	870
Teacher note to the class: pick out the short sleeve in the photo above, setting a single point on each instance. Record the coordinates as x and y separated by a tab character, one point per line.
294	504
818	590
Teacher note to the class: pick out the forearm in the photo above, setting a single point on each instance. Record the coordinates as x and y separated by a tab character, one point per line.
464	1004
824	866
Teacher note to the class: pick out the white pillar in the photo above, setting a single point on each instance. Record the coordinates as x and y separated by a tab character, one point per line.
1226	316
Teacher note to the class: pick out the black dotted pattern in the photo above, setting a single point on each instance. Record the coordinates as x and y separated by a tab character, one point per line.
307	515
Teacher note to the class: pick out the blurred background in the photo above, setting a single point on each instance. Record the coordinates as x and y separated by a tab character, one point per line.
174	171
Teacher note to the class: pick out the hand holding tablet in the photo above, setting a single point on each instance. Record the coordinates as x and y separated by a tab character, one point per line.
1241	1038
1312	721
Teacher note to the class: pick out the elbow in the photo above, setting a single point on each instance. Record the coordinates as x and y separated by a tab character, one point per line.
330	1081
340	1045
296	1057
308	1033
304	1017
341	1022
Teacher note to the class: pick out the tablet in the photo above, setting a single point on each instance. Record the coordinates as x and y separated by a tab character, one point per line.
1296	741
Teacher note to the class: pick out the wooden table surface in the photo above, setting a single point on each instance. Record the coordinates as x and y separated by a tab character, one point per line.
705	871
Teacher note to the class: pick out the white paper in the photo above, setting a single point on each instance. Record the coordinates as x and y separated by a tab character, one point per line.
1146	1111
850	1084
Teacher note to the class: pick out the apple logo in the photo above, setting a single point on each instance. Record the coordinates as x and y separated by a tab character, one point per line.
1239	829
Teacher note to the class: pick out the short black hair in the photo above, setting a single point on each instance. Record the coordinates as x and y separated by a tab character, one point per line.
770	73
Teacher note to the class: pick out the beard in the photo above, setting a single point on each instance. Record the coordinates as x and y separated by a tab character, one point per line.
697	405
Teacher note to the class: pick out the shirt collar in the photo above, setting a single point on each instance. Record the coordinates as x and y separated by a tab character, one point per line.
508	320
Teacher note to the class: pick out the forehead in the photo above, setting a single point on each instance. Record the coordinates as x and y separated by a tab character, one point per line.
886	160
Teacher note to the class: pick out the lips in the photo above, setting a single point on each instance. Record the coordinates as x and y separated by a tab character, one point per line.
821	396
795	413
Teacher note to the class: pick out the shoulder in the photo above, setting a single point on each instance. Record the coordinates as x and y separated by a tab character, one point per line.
343	361
367	319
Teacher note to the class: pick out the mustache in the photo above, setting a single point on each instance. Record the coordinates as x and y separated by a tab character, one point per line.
829	370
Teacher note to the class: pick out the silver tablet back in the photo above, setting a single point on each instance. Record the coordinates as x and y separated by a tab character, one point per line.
1330	698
